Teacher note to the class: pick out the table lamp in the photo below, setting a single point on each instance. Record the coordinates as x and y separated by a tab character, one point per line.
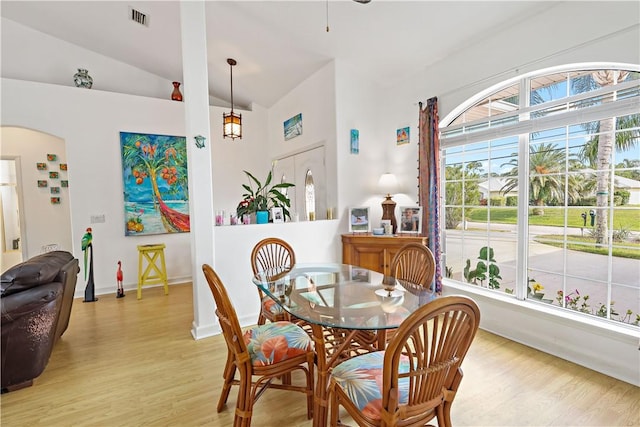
389	184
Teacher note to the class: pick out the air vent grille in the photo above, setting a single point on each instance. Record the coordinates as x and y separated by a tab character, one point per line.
139	17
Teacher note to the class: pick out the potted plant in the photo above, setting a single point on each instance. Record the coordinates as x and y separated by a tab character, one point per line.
260	197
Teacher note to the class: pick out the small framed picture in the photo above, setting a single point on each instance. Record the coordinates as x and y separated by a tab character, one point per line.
359	220
402	136
63	166
410	219
64	183
293	127
55	200
54	175
42	183
41	166
355	141
359	274
52	157
55	190
277	214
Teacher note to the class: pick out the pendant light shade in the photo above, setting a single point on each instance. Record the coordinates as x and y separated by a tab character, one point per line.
232	122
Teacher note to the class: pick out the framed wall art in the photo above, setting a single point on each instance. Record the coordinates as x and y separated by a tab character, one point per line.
410	219
54	175
63	166
402	136
154	175
277	215
64	183
55	190
42	183
41	166
293	127
52	157
355	141
359	220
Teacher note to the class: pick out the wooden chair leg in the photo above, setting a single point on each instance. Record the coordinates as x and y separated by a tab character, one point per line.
228	374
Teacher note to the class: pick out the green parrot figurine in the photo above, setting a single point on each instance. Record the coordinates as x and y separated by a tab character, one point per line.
86	242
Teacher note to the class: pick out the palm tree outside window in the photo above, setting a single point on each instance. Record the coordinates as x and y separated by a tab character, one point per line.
577	202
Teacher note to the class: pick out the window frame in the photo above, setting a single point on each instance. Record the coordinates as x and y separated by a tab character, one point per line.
522	129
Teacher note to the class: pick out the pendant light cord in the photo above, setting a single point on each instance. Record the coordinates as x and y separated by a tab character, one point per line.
231	69
327	16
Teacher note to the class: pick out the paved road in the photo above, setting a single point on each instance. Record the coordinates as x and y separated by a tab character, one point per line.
588	273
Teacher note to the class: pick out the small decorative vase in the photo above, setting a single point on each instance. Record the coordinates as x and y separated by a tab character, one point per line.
262	217
176	95
83	79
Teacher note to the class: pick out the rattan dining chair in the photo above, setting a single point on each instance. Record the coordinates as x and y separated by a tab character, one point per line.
260	355
416	378
266	254
414	265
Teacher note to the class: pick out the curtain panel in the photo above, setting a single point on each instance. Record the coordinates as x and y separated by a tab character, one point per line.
429	181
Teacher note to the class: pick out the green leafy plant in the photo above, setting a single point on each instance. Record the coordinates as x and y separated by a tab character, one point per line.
263	197
486	268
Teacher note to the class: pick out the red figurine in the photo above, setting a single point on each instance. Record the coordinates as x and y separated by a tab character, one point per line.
120	293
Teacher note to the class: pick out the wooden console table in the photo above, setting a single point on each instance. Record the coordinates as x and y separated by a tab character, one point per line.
374	252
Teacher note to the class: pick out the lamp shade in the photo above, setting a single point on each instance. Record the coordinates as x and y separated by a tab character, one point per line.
232	125
388	183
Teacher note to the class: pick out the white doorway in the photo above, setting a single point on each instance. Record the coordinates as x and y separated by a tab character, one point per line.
11	218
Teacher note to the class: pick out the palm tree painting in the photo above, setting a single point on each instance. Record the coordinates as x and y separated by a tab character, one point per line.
154	175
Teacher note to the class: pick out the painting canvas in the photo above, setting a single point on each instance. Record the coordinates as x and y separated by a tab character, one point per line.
293	127
359	220
154	176
402	136
410	219
355	141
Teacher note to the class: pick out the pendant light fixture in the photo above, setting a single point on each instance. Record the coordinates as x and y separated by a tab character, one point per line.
231	123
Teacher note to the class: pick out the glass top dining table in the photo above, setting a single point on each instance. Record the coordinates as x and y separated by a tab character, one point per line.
342	296
348	309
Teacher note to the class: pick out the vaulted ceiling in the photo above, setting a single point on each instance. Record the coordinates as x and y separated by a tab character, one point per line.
278	44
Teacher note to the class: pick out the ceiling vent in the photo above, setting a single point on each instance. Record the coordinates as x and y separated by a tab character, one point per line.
139	17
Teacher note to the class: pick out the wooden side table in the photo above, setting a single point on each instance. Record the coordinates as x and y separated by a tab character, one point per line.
374	252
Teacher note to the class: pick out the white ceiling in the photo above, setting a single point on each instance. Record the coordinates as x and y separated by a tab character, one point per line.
278	44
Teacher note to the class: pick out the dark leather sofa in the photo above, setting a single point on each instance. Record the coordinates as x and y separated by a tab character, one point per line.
36	301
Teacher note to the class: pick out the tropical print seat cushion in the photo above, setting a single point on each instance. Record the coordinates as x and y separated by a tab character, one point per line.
361	379
270	306
274	342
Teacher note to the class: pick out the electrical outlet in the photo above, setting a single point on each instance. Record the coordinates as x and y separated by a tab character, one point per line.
95	219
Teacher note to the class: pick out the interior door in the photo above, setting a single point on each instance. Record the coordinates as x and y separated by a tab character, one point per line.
307	201
284	171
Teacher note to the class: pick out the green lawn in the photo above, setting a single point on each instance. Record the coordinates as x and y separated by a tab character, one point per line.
628	219
587	244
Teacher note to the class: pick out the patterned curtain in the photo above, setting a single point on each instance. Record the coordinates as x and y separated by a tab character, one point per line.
429	187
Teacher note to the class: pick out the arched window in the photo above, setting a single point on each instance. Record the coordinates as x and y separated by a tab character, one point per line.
542	190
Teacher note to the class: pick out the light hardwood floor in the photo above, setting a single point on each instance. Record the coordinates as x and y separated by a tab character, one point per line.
125	362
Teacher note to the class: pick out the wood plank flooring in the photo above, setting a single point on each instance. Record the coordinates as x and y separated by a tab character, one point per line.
125	362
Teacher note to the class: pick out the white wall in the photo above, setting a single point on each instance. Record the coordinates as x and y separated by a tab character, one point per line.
89	122
315	99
